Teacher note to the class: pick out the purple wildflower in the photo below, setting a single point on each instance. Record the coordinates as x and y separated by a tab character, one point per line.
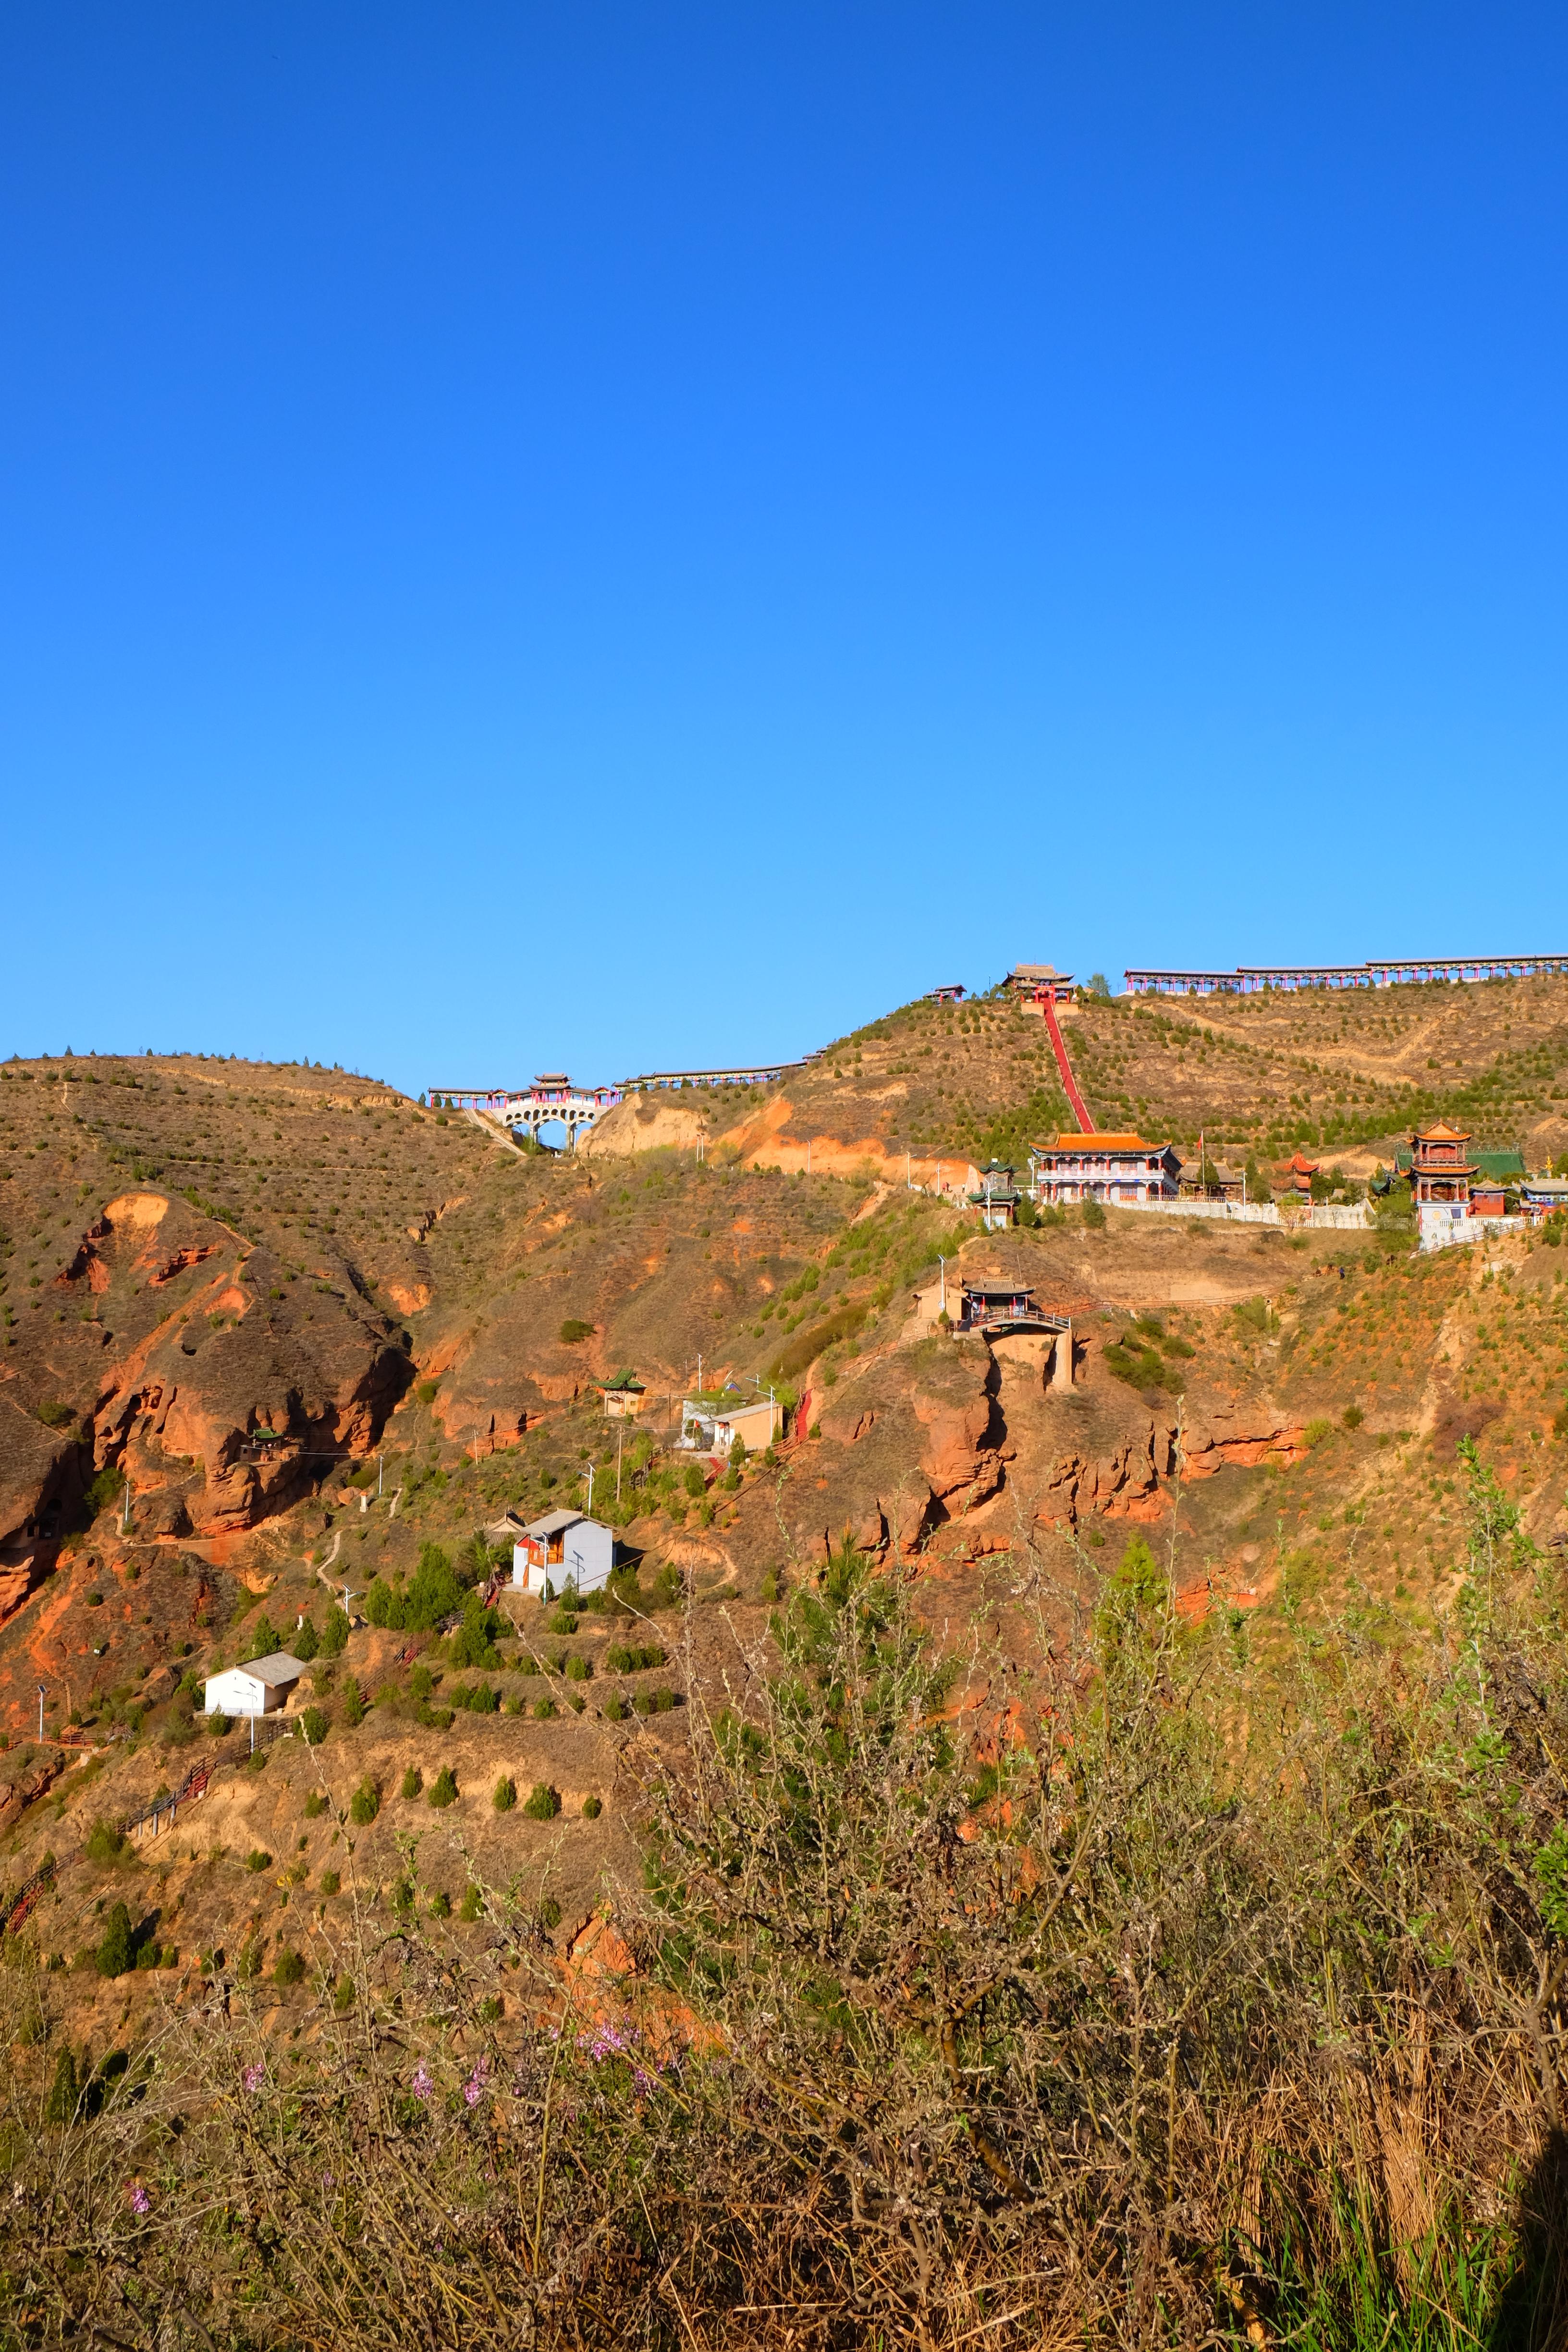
604	2042
139	2200
254	2077
422	2083
474	2088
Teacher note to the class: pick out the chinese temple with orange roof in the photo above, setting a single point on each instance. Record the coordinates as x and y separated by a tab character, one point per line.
1096	1166
1441	1167
1299	1173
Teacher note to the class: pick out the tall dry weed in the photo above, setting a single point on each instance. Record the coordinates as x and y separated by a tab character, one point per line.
1054	2015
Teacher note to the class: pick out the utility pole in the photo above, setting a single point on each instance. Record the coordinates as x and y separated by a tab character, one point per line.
620	1441
942	1306
590	1487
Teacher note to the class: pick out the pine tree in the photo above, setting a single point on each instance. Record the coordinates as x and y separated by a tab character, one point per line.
116	1952
60	2107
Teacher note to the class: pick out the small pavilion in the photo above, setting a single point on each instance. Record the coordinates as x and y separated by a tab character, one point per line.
1441	1169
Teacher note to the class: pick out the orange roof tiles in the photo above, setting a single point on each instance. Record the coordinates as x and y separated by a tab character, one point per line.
1100	1143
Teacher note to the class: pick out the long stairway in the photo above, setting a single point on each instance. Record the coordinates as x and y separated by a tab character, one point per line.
1079	1110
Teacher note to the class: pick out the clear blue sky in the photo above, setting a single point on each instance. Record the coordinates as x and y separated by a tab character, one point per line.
599	537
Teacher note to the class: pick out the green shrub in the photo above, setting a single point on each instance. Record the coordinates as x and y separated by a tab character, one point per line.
314	1725
334	1634
443	1789
1317	1430
696	1484
544	1710
473	1904
473	1642
433	1592
330	1882
315	1805
615	1710
353	1703
365	1804
1353	1416
579	1669
107	1843
624	1658
306	1641
116	1952
103	1489
288	1967
505	1796
54	1414
440	1905
220	1726
543	1803
574	1332
256	1861
412	1781
1093	1215
592	1808
424	1391
548	1915
342	1996
1139	1365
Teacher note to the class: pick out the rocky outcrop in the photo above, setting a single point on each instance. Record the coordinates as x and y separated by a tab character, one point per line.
1129	1483
1125	1485
28	1787
239	1375
180	1263
1202	1456
23	1567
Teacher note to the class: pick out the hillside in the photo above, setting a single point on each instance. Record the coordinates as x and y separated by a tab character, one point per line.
1346	1076
317	1330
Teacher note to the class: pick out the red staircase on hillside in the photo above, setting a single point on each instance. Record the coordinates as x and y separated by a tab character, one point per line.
25	1896
1079	1110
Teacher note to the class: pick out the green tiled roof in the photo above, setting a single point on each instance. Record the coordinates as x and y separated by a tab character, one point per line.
1504	1166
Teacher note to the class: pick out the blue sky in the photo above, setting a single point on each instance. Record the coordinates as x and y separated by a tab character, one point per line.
604	538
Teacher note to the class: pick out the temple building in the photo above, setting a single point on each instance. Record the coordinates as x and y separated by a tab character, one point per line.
996	1197
1441	1169
1299	1173
1106	1168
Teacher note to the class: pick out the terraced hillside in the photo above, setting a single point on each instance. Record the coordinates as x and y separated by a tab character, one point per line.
269	1332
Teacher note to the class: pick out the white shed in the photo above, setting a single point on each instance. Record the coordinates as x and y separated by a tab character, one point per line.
259	1687
709	1425
563	1547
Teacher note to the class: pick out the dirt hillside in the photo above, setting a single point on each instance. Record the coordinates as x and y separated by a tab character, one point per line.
268	1331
